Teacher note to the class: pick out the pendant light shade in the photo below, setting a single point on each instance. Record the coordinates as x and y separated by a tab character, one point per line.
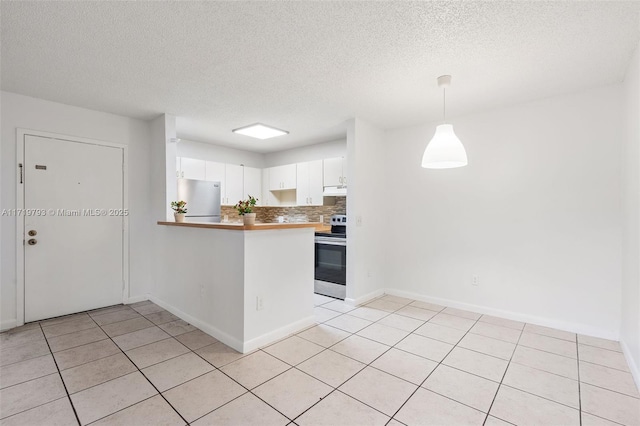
444	151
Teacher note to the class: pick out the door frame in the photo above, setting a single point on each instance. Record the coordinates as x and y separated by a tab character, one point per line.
20	241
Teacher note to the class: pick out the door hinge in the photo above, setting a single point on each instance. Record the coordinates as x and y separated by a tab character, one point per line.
20	166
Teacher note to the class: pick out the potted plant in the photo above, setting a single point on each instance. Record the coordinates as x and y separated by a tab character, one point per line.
179	208
245	209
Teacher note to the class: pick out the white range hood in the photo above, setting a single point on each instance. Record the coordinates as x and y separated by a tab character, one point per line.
335	191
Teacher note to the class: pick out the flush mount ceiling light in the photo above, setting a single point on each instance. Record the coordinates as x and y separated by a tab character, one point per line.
444	151
260	131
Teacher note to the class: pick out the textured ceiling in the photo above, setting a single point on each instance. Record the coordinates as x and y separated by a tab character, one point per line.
308	66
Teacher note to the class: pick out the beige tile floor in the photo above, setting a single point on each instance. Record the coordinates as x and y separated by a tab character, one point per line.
393	361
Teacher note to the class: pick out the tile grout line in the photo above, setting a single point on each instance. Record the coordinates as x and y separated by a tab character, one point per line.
503	376
434	369
579	382
75	413
146	378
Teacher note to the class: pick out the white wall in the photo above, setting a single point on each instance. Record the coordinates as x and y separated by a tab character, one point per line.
220	154
630	331
319	151
368	200
19	111
535	214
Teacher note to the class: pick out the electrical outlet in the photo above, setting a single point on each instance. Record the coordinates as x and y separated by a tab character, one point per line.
259	303
475	281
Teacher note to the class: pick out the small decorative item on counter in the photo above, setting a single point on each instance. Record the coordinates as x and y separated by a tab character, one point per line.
245	209
179	208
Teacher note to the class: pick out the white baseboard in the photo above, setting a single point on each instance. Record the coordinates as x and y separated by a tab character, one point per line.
275	335
633	363
8	324
136	299
364	299
532	319
207	328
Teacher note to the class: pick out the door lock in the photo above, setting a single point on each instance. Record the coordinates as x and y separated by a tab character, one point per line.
33	233
32	242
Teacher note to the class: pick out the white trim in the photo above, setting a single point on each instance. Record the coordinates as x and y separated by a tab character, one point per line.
277	334
20	135
364	299
207	328
7	325
633	366
136	299
532	319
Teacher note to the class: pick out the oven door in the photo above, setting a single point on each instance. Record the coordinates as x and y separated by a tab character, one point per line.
331	260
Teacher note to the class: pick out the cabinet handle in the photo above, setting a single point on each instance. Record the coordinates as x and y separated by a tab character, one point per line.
182	174
340	179
177	174
344	180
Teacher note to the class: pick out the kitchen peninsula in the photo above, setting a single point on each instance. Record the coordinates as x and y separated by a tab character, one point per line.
247	286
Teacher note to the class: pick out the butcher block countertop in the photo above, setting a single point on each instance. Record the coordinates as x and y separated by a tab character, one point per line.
241	227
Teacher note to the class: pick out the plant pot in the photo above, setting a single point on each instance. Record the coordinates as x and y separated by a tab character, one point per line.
179	217
249	218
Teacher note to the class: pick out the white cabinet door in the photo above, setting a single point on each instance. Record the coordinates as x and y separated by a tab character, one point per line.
333	171
190	168
267	197
214	172
253	184
234	178
275	178
282	177
289	178
315	183
302	190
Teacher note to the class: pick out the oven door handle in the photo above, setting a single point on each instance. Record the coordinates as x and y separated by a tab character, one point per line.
332	243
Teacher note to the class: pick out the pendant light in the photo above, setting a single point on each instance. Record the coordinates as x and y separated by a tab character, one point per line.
444	151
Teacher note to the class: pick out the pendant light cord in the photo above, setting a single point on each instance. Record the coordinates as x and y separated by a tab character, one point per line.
444	105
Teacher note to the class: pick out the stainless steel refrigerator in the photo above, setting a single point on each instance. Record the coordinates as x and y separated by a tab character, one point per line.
203	200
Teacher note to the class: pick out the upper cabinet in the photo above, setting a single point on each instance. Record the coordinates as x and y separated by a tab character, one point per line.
335	172
309	184
190	168
282	177
253	184
235	181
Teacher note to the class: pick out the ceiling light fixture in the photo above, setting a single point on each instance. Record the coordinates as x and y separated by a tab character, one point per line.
444	151
260	131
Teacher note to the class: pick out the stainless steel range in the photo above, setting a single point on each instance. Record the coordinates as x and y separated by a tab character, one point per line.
331	259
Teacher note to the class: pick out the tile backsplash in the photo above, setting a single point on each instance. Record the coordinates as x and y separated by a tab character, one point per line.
270	214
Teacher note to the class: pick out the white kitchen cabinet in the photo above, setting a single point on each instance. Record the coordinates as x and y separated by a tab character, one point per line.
253	184
282	177
191	168
309	183
234	178
231	178
335	171
267	197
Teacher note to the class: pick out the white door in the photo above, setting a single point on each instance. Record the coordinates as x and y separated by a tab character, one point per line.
252	184
74	259
302	190
192	168
333	172
234	178
315	183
